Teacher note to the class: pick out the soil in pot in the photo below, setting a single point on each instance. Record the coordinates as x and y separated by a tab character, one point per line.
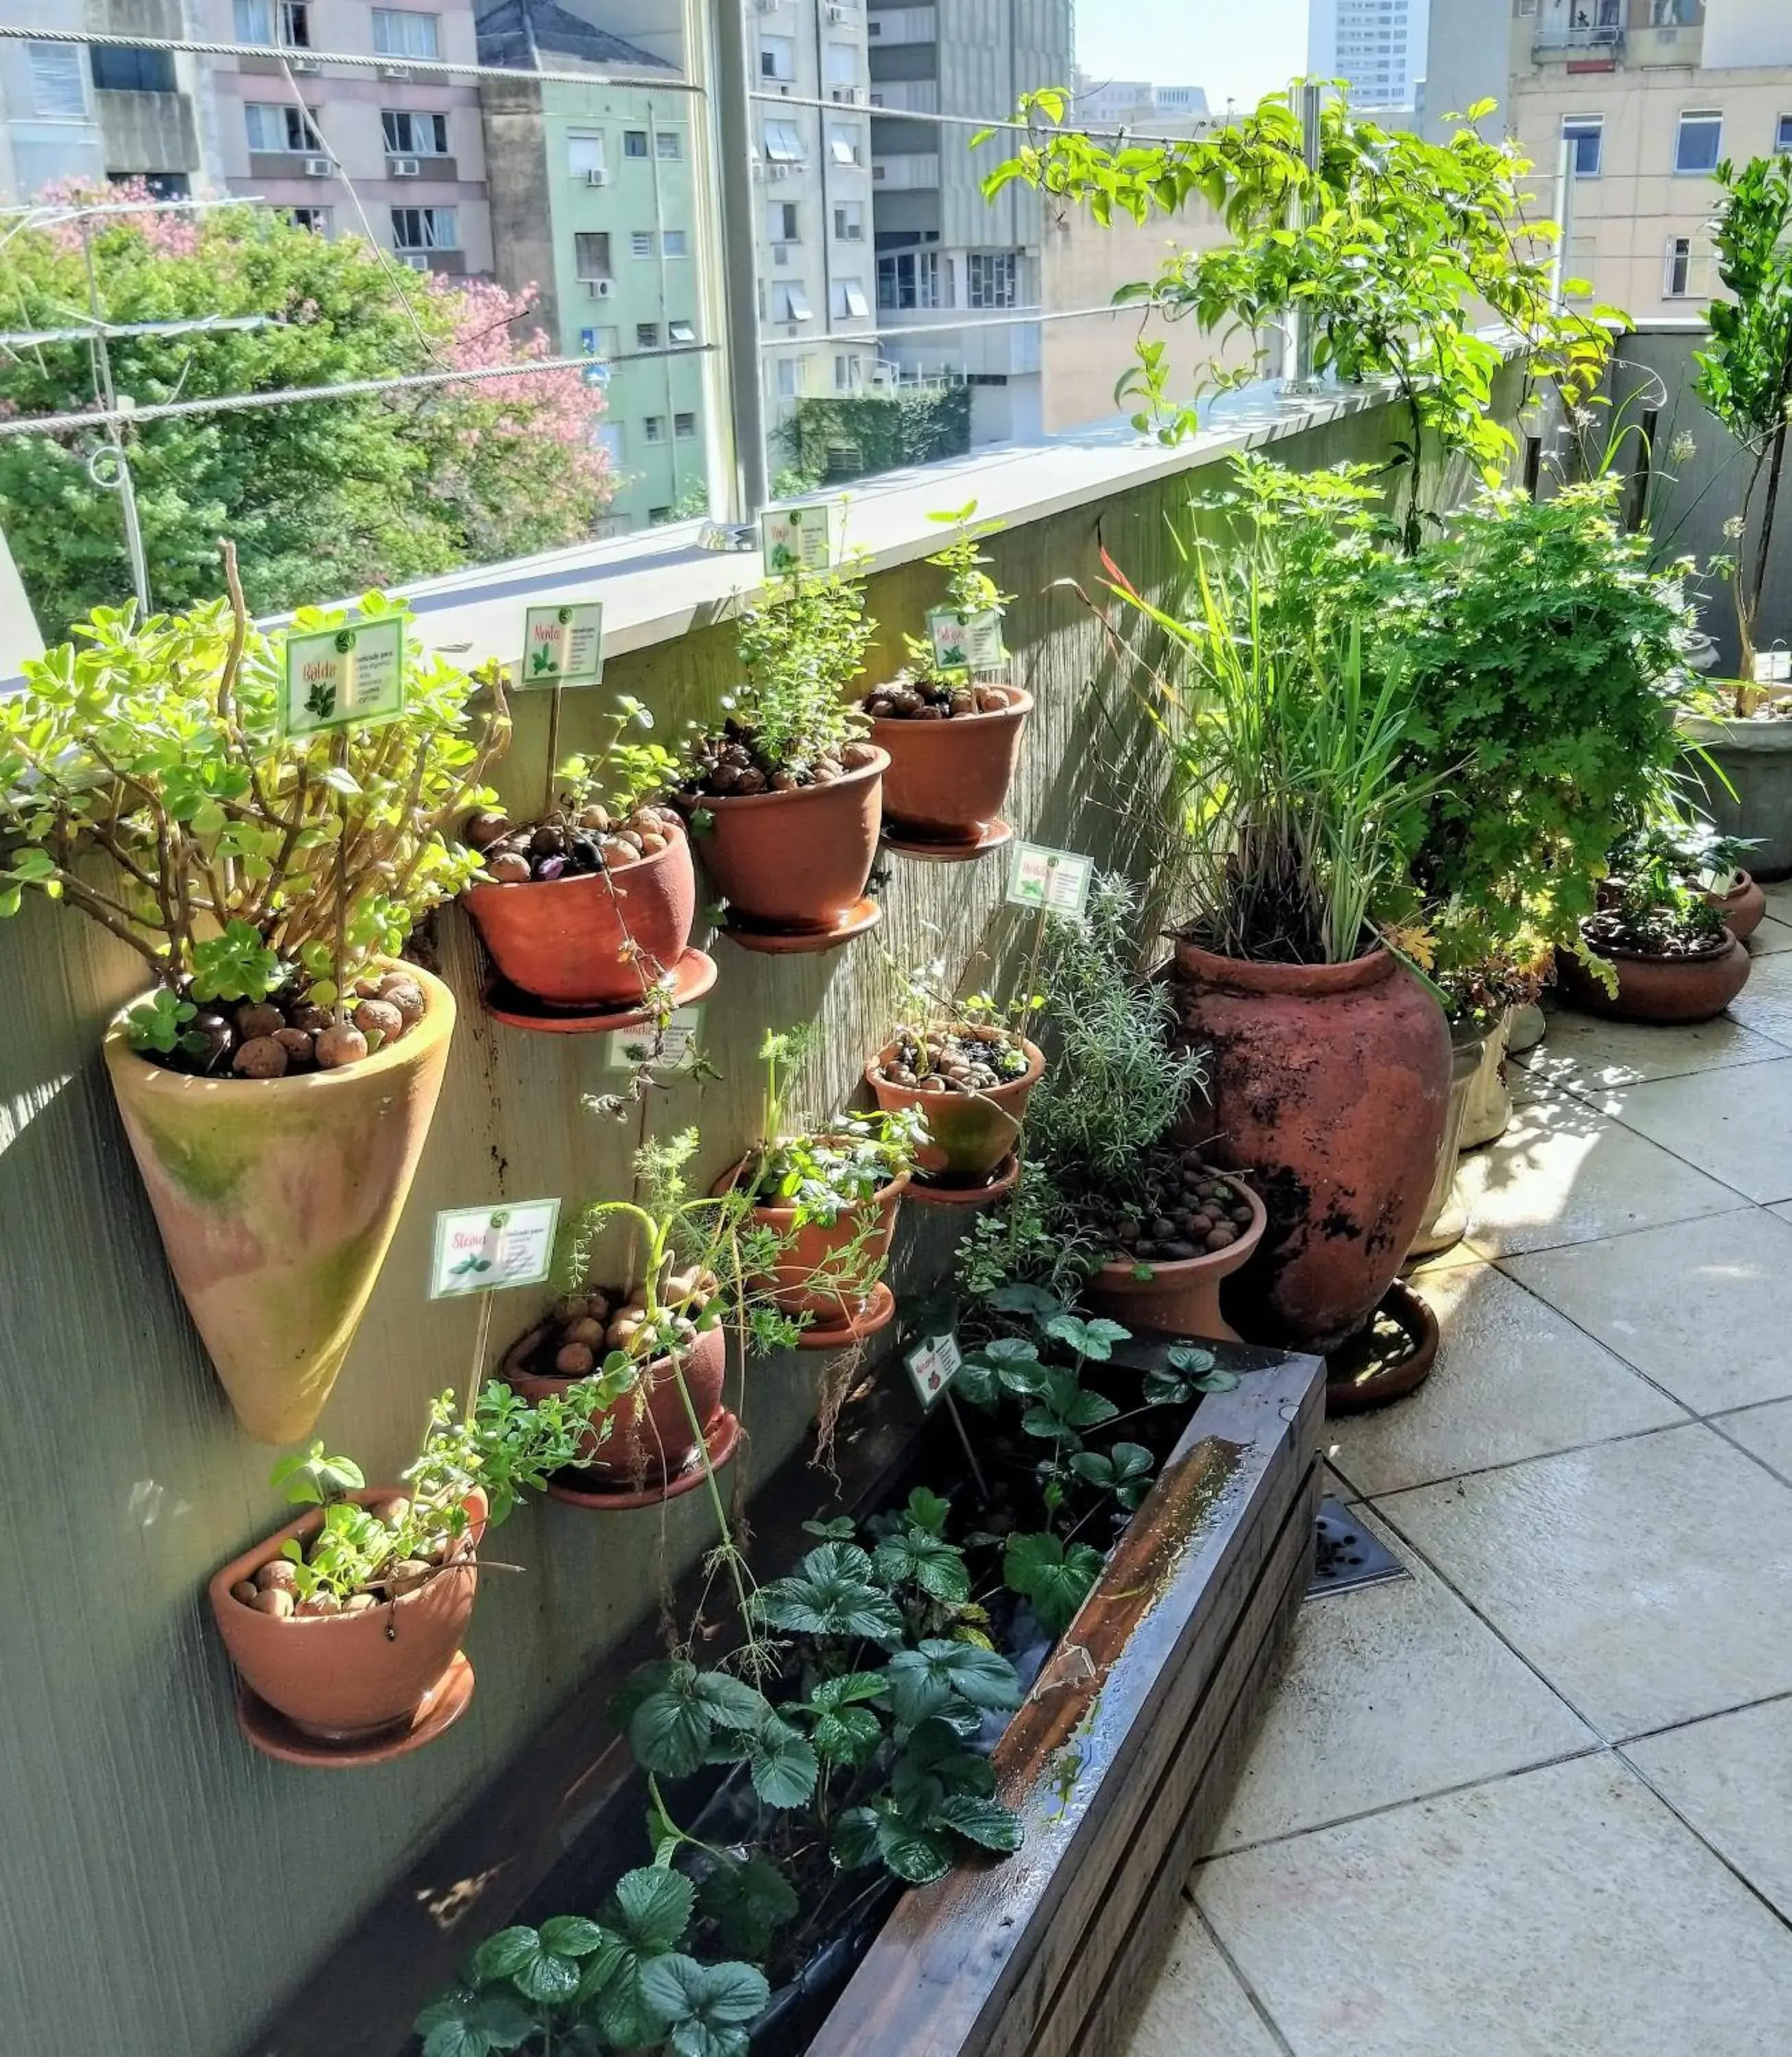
589	911
790	852
348	1670
277	1197
646	1438
1193	1226
970	1082
953	746
1330	1085
1670	973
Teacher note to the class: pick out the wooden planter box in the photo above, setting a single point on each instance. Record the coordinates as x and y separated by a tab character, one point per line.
1120	1761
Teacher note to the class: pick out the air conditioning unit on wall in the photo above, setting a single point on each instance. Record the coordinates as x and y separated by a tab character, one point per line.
406	168
597	176
319	168
601	289
419	260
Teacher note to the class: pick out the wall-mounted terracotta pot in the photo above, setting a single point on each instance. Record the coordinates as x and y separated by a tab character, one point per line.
598	939
1181	1295
1329	1086
345	1677
647	1434
1742	907
1656	988
968	1133
277	1199
814	1248
948	779
795	862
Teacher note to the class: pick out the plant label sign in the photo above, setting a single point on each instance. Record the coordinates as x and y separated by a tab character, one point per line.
483	1250
795	537
966	641
563	645
339	677
1773	667
678	1047
933	1365
1057	880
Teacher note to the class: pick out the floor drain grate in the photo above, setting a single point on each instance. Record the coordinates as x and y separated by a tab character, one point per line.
1349	1554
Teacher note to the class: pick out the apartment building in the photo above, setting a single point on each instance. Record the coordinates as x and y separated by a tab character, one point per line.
593	205
952	267
1378	47
1131	103
409	141
71	110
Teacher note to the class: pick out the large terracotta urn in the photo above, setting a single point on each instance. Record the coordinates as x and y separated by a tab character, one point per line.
1330	1087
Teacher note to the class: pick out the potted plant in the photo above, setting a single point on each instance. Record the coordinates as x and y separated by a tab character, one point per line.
1745	380
591	906
784	799
950	720
347	1623
277	1081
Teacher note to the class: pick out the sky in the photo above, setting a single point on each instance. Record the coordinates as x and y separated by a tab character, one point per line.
1237	50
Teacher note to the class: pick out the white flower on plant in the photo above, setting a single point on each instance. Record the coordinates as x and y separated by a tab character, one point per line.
1683	449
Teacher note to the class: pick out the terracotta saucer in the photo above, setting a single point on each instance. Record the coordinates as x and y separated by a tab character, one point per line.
861	917
692	976
992	837
722	1441
1000	1181
272	1734
1353	1391
879	1312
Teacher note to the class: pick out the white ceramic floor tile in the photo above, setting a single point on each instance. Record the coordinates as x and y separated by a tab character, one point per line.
1766	1431
1564	1173
1771	937
1196	2004
1731	1777
1700	1307
1765	1003
1584	1053
1388	1693
1649	1581
1735	1124
1562	1913
1513	1379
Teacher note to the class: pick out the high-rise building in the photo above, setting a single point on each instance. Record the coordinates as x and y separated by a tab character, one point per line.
1128	102
1376	46
952	267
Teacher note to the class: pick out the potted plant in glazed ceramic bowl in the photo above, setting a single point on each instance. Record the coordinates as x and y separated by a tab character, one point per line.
951	720
277	1081
785	799
1658	950
590	908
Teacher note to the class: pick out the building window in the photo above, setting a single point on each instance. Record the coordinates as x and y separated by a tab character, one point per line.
1782	135
849	375
316	218
425	229
782	143
605	343
909	278
652	428
849	221
1584	135
684	425
278	127
1676	283
675	243
163	185
131	70
646	336
610	441
1699	143
840	65
777	57
790	304
584	155
400	33
57	92
641	243
667	143
787	378
848	301
845	143
681	332
989	279
408	135
590	254
781	221
634	142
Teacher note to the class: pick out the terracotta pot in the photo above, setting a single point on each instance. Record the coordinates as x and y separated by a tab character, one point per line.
277	1199
1181	1297
968	1134
814	1247
1663	989
948	779
796	861
1742	907
566	941
1330	1085
631	1440
1487	1112
1446	1221
343	1677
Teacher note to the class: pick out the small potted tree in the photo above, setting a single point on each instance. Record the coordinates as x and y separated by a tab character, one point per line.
277	1080
951	720
784	799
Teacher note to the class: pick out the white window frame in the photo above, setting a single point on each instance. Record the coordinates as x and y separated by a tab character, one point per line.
674	243
580	255
324	223
983	269
846	142
652	428
790	302
849	221
786	378
667	143
646	336
431	222
584	153
58	82
406	32
783	221
1782	134
408	120
849	301
782	143
683	332
1704	115
1679	252
1579	129
777	59
839	63
684	424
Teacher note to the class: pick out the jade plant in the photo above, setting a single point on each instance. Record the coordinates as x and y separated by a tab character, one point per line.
260	878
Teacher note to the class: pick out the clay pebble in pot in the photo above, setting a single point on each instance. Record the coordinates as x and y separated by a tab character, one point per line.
952	751
1666	989
1169	1265
971	1084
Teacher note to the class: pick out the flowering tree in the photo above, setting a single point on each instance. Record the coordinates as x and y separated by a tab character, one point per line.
322	497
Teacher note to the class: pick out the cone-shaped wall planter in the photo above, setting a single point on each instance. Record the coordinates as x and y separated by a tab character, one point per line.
277	1199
